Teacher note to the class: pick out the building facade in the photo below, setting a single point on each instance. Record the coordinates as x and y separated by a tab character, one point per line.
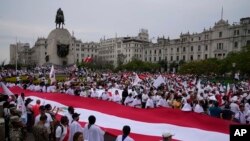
215	42
20	53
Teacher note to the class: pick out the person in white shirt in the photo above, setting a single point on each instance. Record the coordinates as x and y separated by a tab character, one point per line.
70	91
105	95
128	101
49	120
162	102
92	132
187	107
116	98
94	93
150	102
198	108
74	126
62	130
137	102
134	93
125	136
234	107
144	99
83	93
241	115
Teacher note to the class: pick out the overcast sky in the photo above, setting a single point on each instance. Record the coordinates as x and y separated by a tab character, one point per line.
90	20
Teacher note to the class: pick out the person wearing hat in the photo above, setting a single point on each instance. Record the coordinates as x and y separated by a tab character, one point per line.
166	137
125	136
75	126
92	132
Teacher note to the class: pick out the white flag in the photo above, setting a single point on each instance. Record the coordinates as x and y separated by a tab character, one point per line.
6	91
52	75
157	82
137	80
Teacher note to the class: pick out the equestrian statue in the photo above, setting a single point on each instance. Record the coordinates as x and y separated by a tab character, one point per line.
59	18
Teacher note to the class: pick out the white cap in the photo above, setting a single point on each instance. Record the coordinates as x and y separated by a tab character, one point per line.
167	134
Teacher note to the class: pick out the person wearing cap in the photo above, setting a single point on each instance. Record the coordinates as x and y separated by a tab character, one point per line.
166	137
92	132
125	136
74	126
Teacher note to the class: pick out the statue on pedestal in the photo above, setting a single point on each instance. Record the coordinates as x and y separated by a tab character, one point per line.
59	18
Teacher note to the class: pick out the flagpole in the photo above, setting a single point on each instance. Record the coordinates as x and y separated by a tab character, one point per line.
16	53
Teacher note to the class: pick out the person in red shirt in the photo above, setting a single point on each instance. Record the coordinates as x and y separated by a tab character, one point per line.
36	107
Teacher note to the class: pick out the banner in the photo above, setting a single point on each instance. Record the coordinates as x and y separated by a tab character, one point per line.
146	124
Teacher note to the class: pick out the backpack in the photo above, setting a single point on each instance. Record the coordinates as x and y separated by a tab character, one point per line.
56	125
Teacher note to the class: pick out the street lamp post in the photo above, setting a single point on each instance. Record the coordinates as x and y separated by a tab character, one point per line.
233	71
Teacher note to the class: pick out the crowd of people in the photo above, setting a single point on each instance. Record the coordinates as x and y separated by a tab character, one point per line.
188	93
42	121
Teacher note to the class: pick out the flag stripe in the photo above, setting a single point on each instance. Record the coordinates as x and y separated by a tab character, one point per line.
154	121
138	127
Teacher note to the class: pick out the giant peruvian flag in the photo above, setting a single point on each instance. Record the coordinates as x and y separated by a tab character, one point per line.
146	124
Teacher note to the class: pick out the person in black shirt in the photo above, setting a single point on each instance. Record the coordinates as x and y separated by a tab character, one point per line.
124	95
226	113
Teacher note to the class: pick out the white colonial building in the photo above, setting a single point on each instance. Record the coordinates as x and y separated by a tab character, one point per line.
215	42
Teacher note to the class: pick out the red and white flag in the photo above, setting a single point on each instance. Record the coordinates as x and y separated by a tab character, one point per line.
146	124
88	60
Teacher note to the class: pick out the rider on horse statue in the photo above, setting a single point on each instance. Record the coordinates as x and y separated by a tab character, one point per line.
59	18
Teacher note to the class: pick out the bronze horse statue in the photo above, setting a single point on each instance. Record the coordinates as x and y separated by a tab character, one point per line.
59	18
